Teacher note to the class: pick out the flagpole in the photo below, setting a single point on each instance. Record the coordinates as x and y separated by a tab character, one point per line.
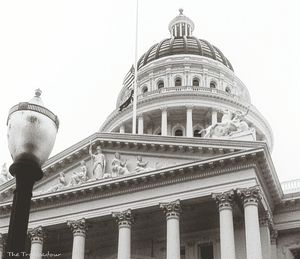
135	71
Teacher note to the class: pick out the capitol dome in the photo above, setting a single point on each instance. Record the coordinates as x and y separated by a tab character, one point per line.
183	42
187	87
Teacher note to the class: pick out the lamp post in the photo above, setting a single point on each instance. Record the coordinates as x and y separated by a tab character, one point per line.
31	135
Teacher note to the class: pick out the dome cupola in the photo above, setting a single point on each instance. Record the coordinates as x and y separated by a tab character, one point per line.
181	26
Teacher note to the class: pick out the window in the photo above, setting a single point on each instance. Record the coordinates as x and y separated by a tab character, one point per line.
206	251
160	84
198	133
178	132
196	82
213	84
145	89
178	81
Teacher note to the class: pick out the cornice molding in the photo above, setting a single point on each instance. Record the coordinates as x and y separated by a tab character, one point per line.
132	183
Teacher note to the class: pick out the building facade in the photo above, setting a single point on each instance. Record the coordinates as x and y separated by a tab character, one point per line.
196	182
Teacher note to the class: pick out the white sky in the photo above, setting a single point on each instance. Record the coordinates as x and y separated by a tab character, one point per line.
78	53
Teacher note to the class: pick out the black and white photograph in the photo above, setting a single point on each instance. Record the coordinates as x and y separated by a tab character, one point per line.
146	129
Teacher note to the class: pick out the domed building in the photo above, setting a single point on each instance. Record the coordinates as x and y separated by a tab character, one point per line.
196	182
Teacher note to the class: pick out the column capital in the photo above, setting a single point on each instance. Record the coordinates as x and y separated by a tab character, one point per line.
189	106
140	115
250	195
36	235
123	218
265	219
163	108
171	209
224	199
78	227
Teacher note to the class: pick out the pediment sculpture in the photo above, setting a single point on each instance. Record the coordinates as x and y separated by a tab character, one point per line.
5	175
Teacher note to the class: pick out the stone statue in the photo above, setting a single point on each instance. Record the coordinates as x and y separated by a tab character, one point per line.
99	163
230	124
62	183
141	166
118	166
79	177
5	175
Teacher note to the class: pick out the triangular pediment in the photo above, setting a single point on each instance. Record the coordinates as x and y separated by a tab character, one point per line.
122	155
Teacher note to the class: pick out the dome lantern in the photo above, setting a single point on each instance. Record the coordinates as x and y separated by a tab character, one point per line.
181	26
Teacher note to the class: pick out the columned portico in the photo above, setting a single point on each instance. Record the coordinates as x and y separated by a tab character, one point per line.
164	121
172	211
140	124
37	238
79	229
124	220
189	121
225	201
250	198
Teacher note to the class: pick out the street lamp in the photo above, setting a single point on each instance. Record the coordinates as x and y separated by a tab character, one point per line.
31	135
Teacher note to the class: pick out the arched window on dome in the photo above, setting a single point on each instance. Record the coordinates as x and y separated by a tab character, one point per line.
178	132
178	81
198	131
144	89
213	84
196	81
160	84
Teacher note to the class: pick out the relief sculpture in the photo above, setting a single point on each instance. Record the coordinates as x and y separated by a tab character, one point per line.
118	166
99	162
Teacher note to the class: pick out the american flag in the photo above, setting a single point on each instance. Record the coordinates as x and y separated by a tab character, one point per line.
128	83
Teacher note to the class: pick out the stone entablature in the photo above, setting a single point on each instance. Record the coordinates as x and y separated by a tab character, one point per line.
131	183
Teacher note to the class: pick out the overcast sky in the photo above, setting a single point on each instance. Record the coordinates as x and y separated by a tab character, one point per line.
78	53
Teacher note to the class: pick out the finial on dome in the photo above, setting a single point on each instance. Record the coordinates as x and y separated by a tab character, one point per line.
37	97
37	92
181	26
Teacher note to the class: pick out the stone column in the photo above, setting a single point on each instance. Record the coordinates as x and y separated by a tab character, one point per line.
79	230
164	121
189	121
274	235
225	201
250	197
1	246
37	238
122	129
172	211
214	117
140	124
124	220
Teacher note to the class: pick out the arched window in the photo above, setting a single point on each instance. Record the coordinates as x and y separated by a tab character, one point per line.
145	89
160	84
197	133
178	132
196	82
228	90
178	81
212	84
